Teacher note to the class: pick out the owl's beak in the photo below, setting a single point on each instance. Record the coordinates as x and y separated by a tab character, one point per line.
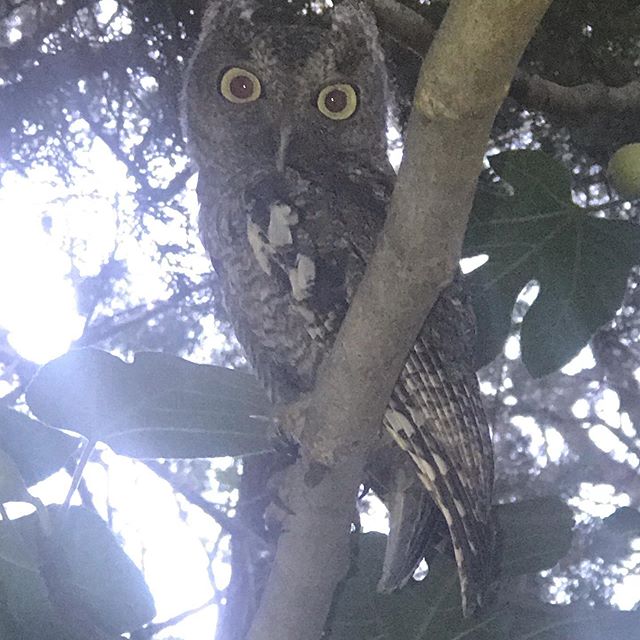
281	153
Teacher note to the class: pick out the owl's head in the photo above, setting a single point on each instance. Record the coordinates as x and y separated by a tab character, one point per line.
262	94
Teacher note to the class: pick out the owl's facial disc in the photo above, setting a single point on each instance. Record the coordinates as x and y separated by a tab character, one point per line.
338	101
240	86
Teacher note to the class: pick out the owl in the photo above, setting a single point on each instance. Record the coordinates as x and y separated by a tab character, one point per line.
287	123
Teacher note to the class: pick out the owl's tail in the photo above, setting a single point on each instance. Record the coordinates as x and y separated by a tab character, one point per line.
415	522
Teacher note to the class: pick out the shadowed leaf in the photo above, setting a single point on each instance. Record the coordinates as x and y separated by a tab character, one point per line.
25	607
78	576
12	486
573	622
37	450
536	534
539	234
427	609
92	572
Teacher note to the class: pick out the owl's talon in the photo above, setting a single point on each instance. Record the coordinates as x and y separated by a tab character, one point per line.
290	419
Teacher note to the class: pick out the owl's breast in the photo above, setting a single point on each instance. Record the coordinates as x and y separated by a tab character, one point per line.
290	254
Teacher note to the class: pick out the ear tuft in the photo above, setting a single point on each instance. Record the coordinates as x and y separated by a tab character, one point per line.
354	26
222	12
354	16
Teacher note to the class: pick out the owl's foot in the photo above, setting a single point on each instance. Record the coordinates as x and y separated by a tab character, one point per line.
290	418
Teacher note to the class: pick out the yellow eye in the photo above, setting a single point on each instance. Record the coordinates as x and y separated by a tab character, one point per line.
338	101
239	86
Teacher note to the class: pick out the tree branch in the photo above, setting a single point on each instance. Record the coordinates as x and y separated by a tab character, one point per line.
404	25
462	84
415	33
228	524
573	102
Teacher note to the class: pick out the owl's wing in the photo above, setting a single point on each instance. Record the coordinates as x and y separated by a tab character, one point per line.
436	415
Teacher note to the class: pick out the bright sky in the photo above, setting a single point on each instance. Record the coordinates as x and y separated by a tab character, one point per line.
40	313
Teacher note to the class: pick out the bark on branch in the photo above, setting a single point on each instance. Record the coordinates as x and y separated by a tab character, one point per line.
462	83
415	33
575	102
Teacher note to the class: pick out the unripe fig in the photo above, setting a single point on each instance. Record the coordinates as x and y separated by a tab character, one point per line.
624	170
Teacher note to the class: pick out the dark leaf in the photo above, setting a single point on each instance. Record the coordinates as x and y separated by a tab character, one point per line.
12	486
427	609
613	540
535	534
158	406
78	576
91	572
37	450
493	300
573	622
539	234
625	520
25	607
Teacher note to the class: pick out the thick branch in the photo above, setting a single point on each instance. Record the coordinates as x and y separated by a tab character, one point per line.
462	84
463	81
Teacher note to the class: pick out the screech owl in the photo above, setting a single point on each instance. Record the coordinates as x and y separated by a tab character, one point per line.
287	124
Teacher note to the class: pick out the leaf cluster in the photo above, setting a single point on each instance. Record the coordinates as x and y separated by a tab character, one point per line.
63	571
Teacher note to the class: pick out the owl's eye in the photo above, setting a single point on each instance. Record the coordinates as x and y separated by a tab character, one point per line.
239	86
338	101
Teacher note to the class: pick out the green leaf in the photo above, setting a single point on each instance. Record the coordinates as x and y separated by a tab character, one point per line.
580	262
573	622
624	521
159	406
92	573
534	534
25	607
37	450
78	576
492	299
613	540
427	609
12	487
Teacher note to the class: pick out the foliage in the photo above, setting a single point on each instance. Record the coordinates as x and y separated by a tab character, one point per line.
62	574
159	406
538	233
37	450
54	562
431	608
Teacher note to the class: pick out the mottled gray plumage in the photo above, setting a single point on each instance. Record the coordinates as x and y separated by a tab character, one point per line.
292	202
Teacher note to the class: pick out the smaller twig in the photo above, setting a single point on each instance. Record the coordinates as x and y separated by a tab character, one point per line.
87	449
579	100
404	25
230	525
150	630
85	495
